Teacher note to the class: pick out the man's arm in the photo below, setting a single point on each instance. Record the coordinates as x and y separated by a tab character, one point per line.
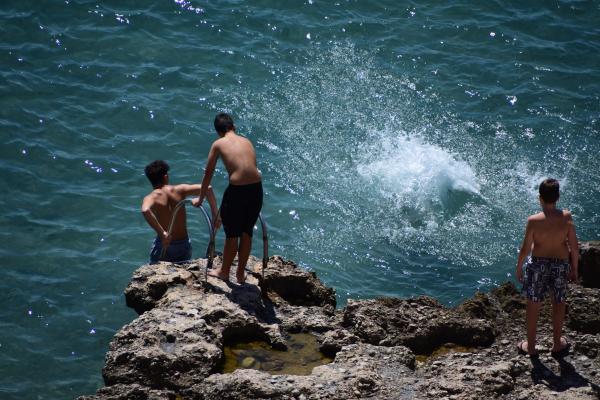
195	190
525	249
211	163
212	202
147	207
574	246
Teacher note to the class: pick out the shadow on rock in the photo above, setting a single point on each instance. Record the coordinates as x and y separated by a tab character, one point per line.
568	377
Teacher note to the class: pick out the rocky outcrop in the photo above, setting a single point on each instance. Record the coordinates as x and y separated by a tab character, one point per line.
294	285
382	347
589	264
420	323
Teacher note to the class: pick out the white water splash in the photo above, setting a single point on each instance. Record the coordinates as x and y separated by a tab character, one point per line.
417	174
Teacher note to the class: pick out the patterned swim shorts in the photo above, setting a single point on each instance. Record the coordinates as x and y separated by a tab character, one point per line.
178	250
546	275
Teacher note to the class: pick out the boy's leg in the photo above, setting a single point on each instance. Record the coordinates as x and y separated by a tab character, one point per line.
243	254
532	316
558	318
558	290
230	249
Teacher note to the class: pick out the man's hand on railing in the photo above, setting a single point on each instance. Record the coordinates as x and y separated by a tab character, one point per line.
196	202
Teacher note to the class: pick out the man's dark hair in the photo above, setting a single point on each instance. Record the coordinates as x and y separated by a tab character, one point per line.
549	191
156	170
223	123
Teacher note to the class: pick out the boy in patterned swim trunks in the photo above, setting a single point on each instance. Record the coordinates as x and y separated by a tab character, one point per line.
158	207
242	200
549	236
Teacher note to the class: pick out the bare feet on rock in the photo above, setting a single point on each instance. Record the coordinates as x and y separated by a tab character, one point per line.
217	273
241	277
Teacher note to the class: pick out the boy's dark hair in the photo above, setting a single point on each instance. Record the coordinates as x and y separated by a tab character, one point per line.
223	123
156	170
549	191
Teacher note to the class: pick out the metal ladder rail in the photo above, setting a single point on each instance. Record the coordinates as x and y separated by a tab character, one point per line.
210	232
262	284
211	246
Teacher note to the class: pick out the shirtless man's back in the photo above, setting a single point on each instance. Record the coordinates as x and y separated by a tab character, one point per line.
238	156
242	200
158	207
550	237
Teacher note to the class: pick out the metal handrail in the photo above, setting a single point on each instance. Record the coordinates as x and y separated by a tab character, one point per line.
210	232
263	287
211	247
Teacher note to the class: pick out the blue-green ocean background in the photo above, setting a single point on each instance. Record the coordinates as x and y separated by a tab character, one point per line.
401	144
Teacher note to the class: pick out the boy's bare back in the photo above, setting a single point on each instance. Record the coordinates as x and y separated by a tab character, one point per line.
158	208
550	231
238	156
164	201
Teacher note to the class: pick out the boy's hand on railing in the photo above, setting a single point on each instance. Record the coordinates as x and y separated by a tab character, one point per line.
217	222
196	202
165	238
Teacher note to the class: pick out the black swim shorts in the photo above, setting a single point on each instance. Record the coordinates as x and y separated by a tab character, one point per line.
240	207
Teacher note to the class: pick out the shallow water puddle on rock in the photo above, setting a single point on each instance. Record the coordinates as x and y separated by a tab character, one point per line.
440	351
301	356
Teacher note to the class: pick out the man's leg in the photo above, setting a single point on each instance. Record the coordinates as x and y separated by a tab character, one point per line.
532	316
229	251
558	318
243	254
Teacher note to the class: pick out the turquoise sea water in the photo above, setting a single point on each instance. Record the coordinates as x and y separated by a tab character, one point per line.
401	144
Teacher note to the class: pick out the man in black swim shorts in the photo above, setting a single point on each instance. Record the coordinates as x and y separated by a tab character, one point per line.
242	200
240	208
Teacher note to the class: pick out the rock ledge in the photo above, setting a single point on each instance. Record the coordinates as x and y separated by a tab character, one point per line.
172	350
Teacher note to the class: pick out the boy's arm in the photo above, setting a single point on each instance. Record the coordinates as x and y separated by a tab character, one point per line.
194	190
574	246
147	207
212	202
525	250
211	163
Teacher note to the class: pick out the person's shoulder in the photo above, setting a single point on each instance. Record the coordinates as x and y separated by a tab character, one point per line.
174	191
154	196
567	215
536	217
154	193
181	188
219	143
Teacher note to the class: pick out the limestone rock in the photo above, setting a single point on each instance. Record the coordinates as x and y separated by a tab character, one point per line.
589	264
172	350
294	285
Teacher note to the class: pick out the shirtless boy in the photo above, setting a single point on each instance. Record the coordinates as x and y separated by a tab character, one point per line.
242	200
552	233
158	207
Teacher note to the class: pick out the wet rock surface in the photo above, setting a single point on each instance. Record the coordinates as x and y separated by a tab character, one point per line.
173	349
